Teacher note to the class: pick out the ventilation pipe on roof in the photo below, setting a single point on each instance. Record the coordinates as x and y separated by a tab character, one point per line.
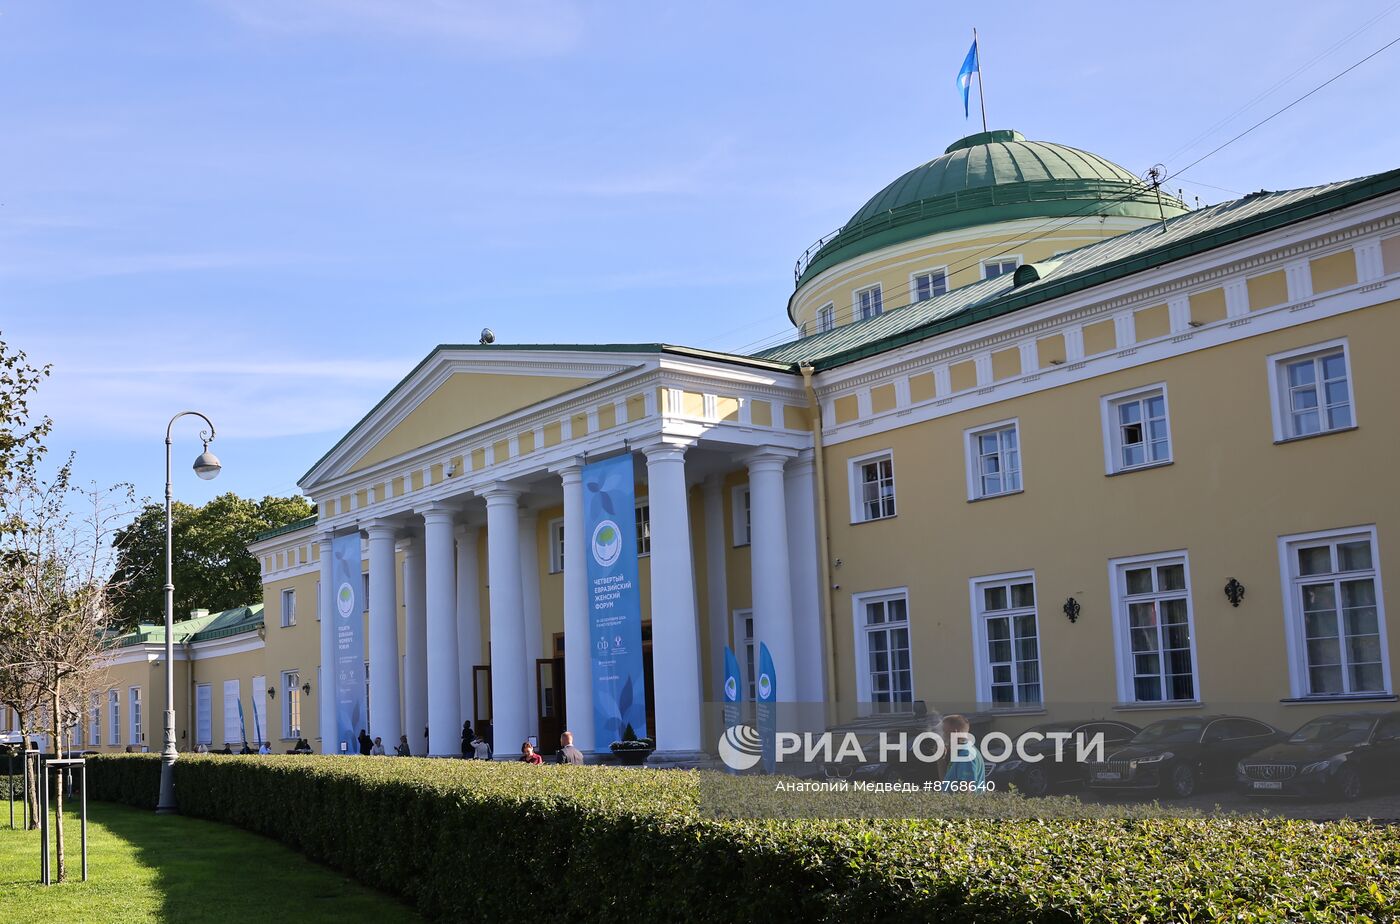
1027	273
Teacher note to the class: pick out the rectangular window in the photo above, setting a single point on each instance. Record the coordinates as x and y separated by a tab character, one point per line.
114	717
994	460
643	518
1336	614
927	284
556	546
1312	391
95	721
872	487
882	645
868	302
826	318
291	704
742	516
999	267
747	649
204	714
1008	640
289	608
1156	651
1136	429
135	695
233	728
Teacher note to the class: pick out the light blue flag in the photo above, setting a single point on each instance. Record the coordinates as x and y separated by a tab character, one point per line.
970	67
767	706
242	729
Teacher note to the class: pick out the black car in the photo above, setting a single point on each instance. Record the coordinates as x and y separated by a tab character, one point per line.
1341	756
1036	777
1181	756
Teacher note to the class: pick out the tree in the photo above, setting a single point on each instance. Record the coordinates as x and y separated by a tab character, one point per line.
211	563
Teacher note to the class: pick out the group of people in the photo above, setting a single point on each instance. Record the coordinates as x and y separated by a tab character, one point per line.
476	745
370	746
567	753
302	747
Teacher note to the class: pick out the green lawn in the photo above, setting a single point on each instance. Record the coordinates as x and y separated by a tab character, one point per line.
148	867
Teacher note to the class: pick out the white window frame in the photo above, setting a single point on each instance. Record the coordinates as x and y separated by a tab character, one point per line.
1006	258
856	307
981	651
204	714
913	282
231	726
556	545
826	317
642	503
133	699
862	651
742	515
1299	682
288	598
746	648
1108	412
972	458
1278	390
1122	640
855	482
291	696
114	717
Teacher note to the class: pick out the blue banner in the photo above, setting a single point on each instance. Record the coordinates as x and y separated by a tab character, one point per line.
767	708
614	601
347	585
732	689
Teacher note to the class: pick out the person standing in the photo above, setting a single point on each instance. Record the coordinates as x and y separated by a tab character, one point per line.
365	742
467	740
481	748
568	754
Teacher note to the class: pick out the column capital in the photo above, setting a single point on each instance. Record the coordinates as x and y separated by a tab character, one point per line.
660	449
768	458
436	512
498	494
463	529
381	529
802	463
325	537
410	543
570	470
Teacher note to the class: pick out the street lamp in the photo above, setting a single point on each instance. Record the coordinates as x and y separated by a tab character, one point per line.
206	466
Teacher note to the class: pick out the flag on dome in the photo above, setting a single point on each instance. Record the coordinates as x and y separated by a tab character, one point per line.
969	68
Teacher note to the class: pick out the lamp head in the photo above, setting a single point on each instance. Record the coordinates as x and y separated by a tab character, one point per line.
207	465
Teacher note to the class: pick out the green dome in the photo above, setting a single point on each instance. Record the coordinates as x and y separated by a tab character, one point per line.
984	179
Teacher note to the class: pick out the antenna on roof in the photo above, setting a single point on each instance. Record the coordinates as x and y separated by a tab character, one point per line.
487	336
1153	177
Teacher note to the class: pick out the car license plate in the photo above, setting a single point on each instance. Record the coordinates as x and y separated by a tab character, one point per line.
1108	775
1268	784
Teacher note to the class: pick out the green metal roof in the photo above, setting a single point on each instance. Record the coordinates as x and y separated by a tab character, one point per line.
286	528
197	629
1150	246
984	179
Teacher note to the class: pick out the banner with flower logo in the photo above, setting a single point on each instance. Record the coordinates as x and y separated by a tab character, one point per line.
347	588
614	601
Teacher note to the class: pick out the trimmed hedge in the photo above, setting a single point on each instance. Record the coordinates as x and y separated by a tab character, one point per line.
460	839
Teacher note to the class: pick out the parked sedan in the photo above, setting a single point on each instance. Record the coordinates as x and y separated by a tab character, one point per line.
1037	777
1181	756
1342	756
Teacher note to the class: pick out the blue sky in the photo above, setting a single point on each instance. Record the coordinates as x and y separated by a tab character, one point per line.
271	210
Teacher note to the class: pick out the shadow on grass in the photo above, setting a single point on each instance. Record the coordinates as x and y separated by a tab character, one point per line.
210	871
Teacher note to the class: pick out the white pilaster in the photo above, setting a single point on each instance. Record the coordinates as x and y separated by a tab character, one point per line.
716	582
772	588
1298	275
806	587
530	607
468	616
415	638
1236	298
384	716
444	691
578	663
509	724
674	647
325	703
1370	261
1124	330
1179	313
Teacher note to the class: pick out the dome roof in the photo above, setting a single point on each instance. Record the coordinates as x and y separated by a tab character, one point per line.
984	179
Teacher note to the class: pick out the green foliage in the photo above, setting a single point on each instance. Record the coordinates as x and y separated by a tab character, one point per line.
212	567
594	842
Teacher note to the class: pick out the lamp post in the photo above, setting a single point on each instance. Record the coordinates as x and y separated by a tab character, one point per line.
206	466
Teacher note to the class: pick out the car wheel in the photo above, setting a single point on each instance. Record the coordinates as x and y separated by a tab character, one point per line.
1348	784
1181	782
1034	782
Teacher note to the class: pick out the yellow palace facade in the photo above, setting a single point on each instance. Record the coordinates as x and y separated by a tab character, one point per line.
1045	438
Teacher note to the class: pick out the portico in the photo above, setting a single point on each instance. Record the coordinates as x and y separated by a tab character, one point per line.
475	544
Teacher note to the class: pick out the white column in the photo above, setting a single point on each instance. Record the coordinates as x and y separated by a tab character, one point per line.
675	654
468	616
444	691
325	710
716	582
384	715
508	723
578	663
772	589
530	607
415	642
805	578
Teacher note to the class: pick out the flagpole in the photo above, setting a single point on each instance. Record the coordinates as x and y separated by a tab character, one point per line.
981	95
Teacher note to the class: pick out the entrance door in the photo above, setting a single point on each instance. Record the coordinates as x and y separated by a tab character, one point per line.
549	692
648	681
481	695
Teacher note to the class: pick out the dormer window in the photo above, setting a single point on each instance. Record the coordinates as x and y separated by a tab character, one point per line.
868	302
1002	266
